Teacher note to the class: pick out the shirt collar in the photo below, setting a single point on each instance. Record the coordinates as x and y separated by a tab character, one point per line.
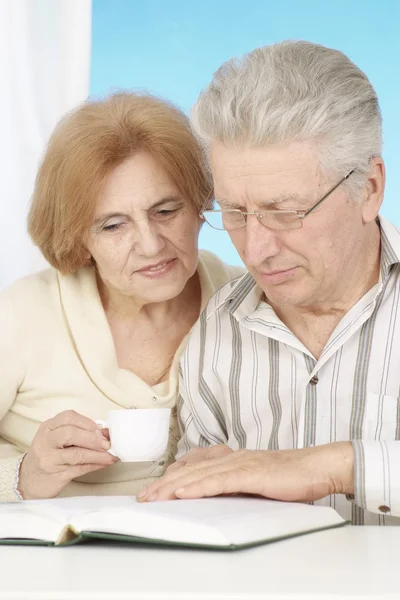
390	246
246	295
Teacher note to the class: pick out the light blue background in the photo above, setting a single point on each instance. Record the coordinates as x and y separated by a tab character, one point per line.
172	47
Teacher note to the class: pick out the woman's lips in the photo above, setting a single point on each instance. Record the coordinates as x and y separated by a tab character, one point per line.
158	270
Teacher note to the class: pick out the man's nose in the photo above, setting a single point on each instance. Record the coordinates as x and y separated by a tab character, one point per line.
261	243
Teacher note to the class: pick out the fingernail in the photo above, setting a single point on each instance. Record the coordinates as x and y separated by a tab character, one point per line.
142	494
152	498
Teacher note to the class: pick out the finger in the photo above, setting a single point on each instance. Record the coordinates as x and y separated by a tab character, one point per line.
106	433
204	484
82	456
165	482
70	435
165	488
237	477
214	485
173	477
71	417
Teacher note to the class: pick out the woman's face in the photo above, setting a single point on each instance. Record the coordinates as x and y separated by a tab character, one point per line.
144	234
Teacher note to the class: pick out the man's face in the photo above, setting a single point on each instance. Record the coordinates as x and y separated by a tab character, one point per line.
302	267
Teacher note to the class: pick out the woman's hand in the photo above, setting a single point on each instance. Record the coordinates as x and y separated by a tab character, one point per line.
66	447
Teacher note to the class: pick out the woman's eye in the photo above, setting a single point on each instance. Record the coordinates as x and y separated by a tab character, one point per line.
111	227
166	212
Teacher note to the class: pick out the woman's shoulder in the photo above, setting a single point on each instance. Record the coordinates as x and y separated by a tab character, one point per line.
217	267
30	291
214	273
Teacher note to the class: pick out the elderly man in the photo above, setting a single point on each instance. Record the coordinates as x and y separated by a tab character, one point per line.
291	379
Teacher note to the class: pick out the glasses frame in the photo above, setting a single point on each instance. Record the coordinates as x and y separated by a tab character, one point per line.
301	214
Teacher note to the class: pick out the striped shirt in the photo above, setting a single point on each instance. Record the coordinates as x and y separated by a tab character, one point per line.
248	382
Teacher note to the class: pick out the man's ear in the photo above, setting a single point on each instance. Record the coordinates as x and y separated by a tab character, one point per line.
374	190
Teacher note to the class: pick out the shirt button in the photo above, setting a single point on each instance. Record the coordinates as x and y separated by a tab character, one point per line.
383	508
314	380
154	399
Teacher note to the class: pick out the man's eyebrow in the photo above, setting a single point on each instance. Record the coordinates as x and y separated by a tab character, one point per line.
105	216
292	197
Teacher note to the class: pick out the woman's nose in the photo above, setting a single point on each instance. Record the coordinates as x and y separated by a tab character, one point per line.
149	241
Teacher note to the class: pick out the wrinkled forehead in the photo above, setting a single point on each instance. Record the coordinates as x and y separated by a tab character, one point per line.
138	182
272	172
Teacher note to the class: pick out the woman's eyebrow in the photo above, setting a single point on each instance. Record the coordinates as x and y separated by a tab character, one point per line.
105	216
165	200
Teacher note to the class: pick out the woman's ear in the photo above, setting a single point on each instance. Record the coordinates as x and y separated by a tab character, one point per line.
375	190
86	256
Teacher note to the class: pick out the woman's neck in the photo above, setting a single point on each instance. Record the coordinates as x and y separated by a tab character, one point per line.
121	307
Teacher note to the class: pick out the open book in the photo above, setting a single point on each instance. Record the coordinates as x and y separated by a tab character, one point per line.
223	522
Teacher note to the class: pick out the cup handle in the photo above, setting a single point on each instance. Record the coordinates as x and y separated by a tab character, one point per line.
104	425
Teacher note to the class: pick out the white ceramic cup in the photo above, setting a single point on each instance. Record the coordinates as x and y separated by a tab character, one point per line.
138	434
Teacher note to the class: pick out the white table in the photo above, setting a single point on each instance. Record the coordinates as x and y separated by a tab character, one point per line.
346	563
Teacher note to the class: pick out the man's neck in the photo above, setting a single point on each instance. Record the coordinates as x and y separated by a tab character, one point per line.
313	324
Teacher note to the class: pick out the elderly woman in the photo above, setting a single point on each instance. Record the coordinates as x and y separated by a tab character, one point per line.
115	211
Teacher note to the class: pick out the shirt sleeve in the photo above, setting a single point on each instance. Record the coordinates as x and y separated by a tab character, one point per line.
377	476
10	380
200	414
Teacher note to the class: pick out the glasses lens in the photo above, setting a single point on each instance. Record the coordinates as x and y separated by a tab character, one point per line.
225	219
280	220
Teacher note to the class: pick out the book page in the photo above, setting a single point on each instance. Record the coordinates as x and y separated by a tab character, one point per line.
45	519
220	521
214	521
78	505
124	516
26	522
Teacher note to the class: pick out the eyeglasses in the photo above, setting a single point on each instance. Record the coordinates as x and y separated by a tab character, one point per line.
234	218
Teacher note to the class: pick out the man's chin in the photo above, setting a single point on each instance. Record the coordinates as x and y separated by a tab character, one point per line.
286	294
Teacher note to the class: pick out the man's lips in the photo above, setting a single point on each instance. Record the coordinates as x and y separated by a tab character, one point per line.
277	276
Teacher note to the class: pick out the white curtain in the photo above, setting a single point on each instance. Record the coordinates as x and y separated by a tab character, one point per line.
44	72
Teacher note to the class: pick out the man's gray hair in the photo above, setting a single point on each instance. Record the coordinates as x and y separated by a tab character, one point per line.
295	91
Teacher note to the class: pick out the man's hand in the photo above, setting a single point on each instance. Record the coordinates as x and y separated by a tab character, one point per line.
66	447
291	475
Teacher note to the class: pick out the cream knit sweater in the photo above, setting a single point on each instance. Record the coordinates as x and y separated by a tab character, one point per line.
57	353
